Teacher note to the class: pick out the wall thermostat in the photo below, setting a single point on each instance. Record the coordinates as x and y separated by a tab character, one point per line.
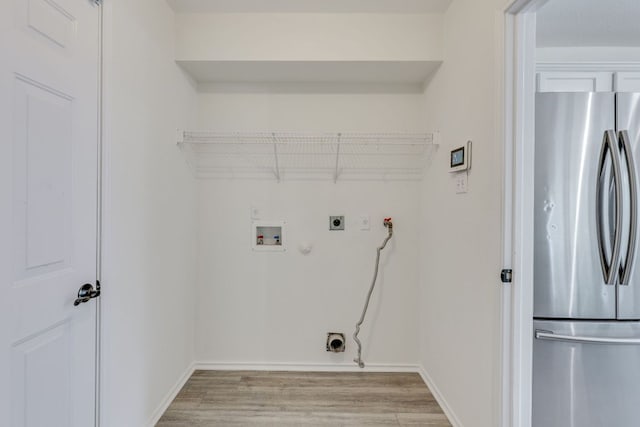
461	158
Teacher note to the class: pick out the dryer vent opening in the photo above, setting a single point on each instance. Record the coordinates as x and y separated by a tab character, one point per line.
335	342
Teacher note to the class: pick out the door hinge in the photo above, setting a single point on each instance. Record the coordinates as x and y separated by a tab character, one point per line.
97	2
506	275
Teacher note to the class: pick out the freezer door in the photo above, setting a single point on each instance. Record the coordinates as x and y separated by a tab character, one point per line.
628	119
569	276
589	376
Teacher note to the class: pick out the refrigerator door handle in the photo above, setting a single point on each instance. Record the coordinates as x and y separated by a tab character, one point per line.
550	336
609	268
625	269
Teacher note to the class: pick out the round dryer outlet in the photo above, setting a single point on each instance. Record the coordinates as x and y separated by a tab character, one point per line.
336	222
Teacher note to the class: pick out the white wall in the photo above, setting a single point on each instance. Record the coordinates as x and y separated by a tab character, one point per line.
150	220
311	112
316	37
461	249
267	308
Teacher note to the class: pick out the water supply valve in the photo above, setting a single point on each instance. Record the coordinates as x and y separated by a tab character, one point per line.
387	223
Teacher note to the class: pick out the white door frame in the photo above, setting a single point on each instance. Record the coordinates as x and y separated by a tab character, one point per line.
105	307
100	212
519	129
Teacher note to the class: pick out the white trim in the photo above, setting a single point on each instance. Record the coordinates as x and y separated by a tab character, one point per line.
105	201
99	213
444	405
588	66
523	219
523	6
519	126
506	385
206	365
173	392
520	129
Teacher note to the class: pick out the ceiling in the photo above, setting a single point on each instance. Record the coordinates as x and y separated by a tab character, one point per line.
589	23
310	6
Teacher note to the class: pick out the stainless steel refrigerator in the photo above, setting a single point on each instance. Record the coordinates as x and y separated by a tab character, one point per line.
586	338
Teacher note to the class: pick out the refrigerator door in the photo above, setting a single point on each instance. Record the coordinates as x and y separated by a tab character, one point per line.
589	376
569	275
628	119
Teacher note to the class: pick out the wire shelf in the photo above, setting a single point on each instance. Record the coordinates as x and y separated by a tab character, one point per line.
299	156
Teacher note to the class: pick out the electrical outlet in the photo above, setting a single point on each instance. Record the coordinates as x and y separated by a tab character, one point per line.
336	222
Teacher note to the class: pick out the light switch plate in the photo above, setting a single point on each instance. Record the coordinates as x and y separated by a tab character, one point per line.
461	183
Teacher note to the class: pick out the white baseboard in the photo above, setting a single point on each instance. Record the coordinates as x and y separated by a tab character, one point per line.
303	367
173	392
446	408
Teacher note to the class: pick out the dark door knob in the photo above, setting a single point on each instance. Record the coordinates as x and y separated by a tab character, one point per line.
87	292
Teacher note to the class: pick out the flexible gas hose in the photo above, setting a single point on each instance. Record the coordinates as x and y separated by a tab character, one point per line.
389	225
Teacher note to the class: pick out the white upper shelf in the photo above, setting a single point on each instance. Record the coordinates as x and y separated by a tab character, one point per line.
308	156
343	49
312	72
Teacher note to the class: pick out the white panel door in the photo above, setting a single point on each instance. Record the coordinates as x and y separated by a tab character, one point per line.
49	99
574	81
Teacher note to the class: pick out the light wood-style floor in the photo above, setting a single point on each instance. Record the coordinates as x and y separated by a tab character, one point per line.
251	398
